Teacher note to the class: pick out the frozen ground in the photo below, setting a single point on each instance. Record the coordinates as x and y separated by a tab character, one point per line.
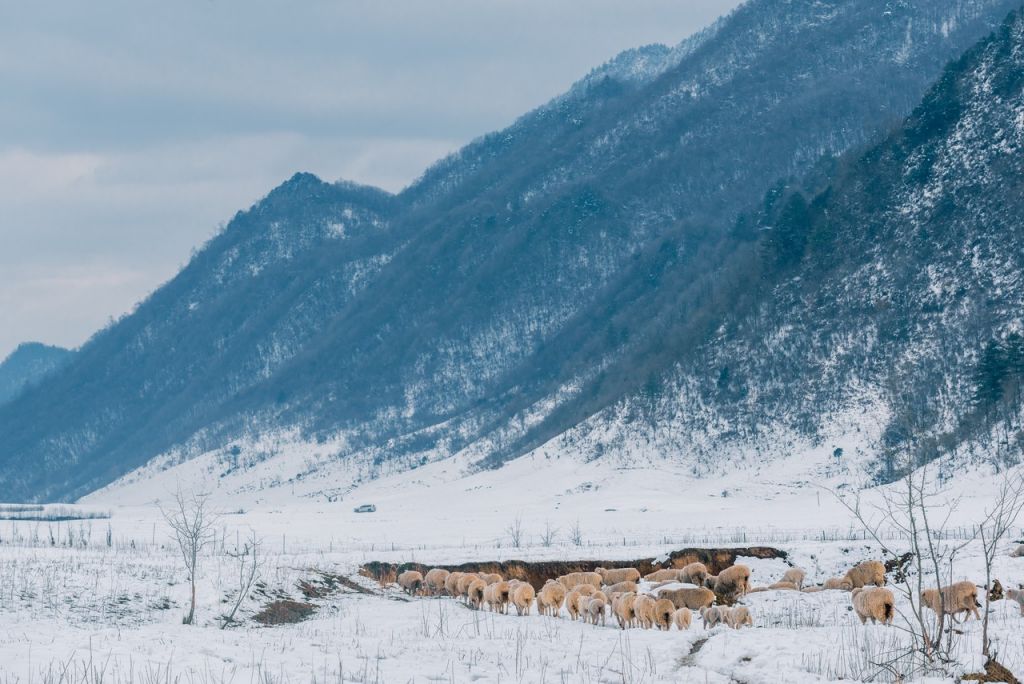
102	600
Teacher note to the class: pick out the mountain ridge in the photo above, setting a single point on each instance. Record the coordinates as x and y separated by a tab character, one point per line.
452	316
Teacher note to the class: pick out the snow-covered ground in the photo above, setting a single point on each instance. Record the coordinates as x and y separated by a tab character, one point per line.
102	600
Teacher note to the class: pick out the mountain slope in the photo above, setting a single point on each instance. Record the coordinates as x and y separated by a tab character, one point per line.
454	315
894	294
27	365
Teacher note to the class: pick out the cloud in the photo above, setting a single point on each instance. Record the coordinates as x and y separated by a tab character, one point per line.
130	129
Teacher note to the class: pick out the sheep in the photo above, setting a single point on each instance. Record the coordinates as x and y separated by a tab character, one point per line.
738	616
663	611
620	588
491	577
410	581
694	573
609	577
550	598
574	579
1018	596
796	576
643	608
464	582
682	618
693	598
593	609
777	586
713	615
666	575
435	580
874	603
451	585
497	596
959	597
574	599
522	598
733	581
868	572
475	593
832	583
622	606
710	581
1017	552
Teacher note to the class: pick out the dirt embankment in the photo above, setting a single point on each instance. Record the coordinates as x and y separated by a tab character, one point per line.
537	573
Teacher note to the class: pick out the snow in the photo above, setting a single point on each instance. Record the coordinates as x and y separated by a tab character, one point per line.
119	607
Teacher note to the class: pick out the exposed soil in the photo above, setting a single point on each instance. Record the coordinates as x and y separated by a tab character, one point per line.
284	612
994	672
537	573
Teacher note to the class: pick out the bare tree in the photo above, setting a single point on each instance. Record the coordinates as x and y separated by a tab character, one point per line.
191	522
999	518
547	537
919	513
249	566
576	533
515	532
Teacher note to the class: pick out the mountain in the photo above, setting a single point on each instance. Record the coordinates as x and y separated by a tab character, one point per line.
521	286
892	300
27	365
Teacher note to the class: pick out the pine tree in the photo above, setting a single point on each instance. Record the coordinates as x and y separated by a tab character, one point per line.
990	374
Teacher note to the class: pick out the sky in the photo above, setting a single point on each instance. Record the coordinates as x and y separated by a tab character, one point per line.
131	130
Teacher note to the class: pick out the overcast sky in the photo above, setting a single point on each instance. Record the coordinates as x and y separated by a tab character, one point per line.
130	129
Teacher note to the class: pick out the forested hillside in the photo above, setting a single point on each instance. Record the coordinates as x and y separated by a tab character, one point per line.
536	278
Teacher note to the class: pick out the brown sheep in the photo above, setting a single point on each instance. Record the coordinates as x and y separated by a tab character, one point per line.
451	585
738	616
796	576
643	608
550	598
609	577
868	572
713	615
410	581
594	609
693	598
1018	596
666	575
682	618
462	587
622	606
475	593
663	611
575	579
491	577
694	573
435	581
574	599
874	603
710	581
733	581
959	597
620	588
522	598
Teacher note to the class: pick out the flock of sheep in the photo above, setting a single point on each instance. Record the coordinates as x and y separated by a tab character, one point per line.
671	595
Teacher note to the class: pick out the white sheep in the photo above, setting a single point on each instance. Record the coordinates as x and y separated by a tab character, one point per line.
874	603
410	581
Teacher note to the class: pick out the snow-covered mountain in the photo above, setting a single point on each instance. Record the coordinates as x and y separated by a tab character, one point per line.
27	365
575	275
891	302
